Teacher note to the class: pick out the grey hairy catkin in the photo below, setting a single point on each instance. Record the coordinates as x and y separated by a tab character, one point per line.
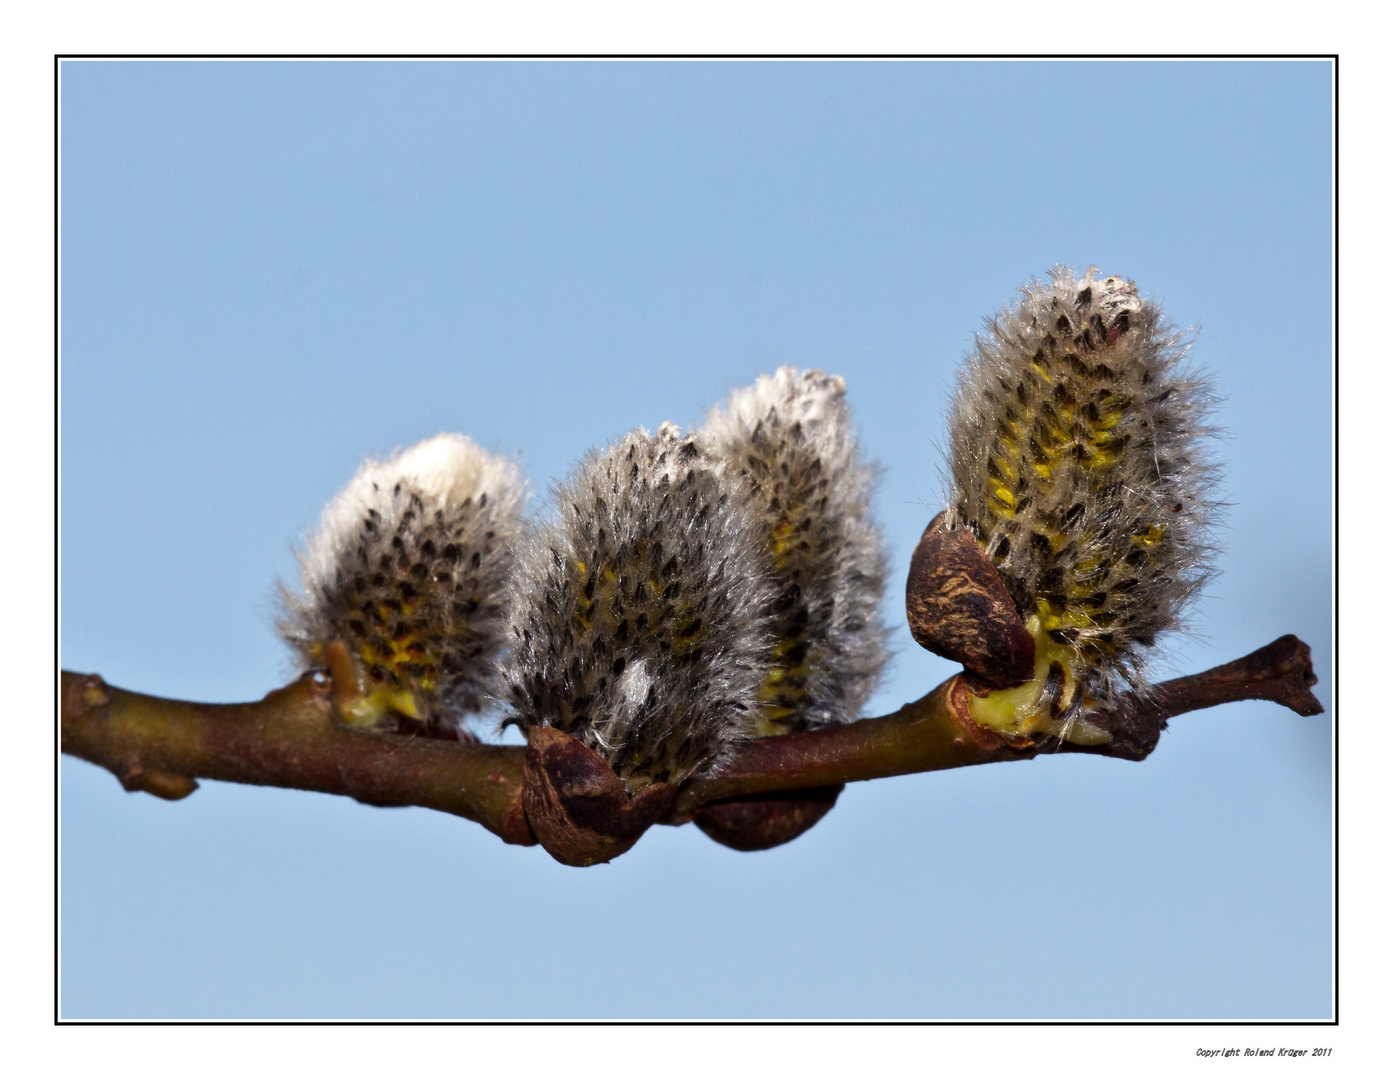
410	570
1079	461
641	622
789	439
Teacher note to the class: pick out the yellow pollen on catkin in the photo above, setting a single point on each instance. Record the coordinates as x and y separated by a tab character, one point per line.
782	688
781	535
779	540
766	725
1054	618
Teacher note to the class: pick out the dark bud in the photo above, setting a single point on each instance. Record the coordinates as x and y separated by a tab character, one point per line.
768	820
958	607
576	804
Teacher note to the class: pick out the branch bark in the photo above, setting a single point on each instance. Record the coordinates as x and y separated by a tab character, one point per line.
292	739
937	731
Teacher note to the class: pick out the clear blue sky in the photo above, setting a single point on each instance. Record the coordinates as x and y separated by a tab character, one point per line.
271	270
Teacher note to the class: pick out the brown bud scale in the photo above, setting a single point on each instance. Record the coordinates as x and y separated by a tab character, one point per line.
578	806
958	607
768	820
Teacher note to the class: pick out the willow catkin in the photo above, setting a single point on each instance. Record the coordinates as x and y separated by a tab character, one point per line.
410	570
1079	462
789	438
641	623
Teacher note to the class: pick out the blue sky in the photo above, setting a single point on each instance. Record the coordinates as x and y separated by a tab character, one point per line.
272	270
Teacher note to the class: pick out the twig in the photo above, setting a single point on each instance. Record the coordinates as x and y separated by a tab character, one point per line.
292	739
937	732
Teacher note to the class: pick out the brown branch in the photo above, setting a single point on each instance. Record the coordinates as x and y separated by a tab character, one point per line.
292	739
937	732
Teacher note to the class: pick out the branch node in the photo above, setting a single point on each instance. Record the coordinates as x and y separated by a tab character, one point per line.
576	804
87	692
960	690
516	828
155	782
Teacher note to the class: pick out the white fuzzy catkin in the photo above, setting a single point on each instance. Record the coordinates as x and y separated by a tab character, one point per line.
410	569
1079	461
789	438
641	622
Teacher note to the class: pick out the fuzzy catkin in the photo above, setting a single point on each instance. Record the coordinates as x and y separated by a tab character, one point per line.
789	439
410	570
1079	462
641	622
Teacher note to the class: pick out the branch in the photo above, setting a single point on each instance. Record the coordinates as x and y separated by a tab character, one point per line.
937	731
292	739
